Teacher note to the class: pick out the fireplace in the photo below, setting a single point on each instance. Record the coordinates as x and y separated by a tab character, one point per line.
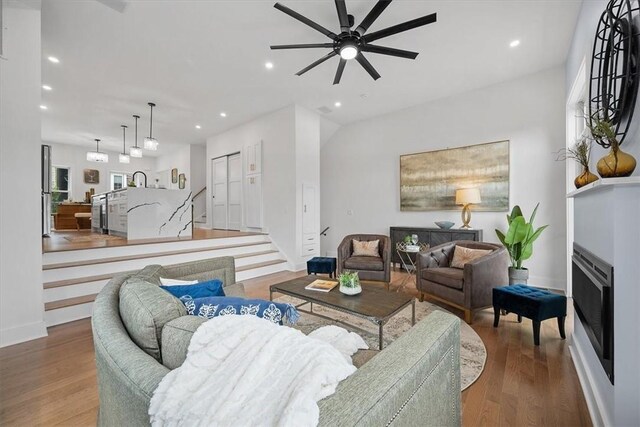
593	301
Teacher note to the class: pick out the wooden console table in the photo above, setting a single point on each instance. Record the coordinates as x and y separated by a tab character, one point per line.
65	218
431	236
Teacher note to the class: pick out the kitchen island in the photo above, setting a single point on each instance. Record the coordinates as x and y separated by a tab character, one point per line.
148	213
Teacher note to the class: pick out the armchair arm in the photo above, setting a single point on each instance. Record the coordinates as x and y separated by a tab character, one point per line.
344	252
484	274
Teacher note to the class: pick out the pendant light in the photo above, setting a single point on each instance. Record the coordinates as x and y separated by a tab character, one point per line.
97	156
150	143
124	157
136	151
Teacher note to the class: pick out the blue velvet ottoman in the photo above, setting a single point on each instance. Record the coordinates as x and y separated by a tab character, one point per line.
532	303
326	265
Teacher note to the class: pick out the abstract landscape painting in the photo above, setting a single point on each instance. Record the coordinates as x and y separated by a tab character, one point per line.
428	181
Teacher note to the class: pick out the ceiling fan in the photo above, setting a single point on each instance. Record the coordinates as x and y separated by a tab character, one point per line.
350	44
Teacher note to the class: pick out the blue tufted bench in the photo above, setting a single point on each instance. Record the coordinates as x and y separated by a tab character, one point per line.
326	265
532	303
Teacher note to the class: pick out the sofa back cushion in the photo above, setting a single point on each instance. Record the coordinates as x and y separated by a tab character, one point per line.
145	308
462	255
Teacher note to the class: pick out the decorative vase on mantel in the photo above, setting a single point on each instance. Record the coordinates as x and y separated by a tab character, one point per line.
616	163
586	177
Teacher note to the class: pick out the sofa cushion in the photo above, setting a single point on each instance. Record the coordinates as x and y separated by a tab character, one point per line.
145	309
446	276
235	290
151	273
176	336
366	248
211	288
371	263
462	255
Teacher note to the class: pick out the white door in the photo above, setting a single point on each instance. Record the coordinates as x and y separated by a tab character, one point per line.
235	191
308	209
253	199
219	193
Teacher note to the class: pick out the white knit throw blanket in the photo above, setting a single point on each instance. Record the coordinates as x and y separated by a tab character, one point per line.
243	370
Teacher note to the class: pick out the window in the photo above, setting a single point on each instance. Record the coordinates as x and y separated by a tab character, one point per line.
119	180
60	186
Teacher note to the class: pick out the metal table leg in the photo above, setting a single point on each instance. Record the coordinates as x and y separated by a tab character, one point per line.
413	311
380	325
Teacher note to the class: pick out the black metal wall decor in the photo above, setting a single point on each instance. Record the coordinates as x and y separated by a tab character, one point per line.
615	70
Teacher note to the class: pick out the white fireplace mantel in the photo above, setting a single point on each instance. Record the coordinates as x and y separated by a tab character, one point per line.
603	184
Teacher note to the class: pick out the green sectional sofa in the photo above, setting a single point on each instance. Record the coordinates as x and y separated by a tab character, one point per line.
414	381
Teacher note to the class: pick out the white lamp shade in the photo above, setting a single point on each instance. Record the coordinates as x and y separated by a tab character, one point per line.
135	152
465	196
96	156
150	144
124	158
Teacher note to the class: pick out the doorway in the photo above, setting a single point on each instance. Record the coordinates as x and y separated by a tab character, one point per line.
226	193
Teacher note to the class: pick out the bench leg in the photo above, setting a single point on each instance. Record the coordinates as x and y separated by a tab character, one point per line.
561	326
496	316
519	319
536	332
421	296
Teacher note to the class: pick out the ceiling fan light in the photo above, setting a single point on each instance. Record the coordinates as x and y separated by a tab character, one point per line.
135	152
124	158
150	144
348	51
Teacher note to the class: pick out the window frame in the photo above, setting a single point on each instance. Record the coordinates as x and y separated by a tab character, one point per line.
55	204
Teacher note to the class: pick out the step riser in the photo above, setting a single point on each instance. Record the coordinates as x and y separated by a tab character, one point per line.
117	251
82	311
119	266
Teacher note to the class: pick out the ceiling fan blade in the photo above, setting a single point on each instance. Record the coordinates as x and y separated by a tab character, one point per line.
373	14
301	46
343	17
318	62
339	71
304	20
389	51
409	25
367	66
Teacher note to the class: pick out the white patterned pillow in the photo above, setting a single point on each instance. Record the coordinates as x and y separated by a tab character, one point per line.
366	248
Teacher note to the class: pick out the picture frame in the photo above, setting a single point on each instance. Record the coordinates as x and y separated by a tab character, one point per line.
91	176
182	180
174	175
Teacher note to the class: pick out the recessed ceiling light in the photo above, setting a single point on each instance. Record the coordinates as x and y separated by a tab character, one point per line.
46	87
268	65
198	127
43	107
338	104
53	59
223	114
514	43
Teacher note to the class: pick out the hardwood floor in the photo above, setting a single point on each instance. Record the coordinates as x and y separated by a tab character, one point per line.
52	380
58	239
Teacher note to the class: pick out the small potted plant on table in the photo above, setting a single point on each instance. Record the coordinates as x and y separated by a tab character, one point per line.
350	283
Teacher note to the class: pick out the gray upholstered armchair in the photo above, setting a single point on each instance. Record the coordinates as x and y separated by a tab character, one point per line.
467	289
368	267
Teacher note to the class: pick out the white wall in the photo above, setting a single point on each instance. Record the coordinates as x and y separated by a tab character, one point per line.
276	130
360	164
180	158
75	157
198	179
21	306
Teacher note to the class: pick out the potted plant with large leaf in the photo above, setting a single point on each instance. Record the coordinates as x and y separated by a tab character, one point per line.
519	240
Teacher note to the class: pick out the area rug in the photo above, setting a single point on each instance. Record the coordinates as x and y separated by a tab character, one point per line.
473	353
91	238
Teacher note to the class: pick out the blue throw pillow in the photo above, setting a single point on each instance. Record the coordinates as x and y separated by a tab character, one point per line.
221	306
211	288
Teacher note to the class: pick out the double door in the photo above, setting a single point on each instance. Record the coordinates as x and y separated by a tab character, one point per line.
226	187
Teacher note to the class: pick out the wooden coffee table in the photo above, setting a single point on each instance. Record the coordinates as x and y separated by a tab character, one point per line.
375	303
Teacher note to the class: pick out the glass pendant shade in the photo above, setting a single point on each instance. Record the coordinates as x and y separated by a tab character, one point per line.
135	152
124	158
97	156
150	144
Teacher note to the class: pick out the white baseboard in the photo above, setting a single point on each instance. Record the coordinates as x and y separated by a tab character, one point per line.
22	333
590	395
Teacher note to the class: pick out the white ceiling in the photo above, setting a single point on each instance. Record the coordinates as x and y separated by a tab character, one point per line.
195	59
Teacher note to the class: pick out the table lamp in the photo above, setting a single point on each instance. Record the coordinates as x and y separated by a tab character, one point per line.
467	197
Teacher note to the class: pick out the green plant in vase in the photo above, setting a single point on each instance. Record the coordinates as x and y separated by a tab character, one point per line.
616	163
349	283
581	153
519	240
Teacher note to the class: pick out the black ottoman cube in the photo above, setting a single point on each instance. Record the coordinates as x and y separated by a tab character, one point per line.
326	265
532	303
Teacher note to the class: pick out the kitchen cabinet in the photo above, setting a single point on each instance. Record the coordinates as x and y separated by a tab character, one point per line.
253	158
253	201
310	235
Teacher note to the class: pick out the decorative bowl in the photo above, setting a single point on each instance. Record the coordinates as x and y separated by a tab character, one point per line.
445	224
